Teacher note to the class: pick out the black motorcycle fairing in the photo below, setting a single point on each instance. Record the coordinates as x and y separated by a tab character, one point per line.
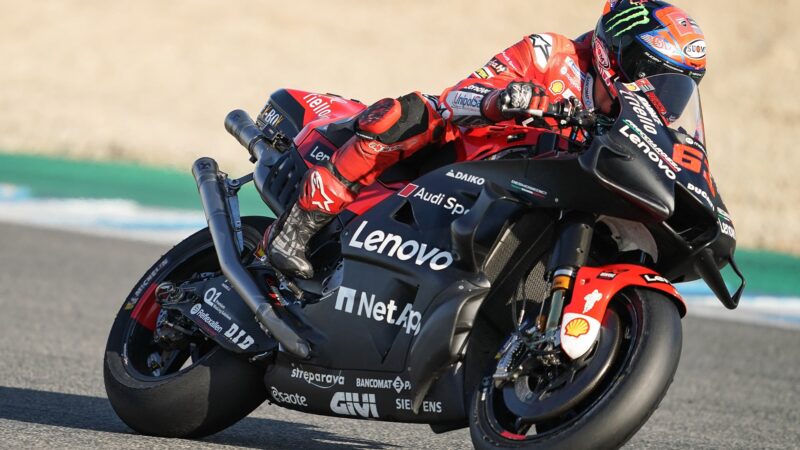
283	112
662	116
279	184
364	394
218	310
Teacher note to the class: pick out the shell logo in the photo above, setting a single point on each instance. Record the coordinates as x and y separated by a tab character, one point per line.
557	87
576	327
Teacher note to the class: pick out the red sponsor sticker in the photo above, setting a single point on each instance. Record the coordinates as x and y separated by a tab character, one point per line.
408	190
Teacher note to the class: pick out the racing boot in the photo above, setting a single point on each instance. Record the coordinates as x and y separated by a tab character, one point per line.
324	194
287	240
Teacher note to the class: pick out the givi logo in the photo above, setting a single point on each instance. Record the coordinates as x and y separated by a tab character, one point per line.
348	404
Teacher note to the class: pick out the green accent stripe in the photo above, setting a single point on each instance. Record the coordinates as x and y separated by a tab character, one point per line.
64	178
767	273
638	13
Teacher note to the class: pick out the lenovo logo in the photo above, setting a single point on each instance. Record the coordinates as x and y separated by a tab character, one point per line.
395	246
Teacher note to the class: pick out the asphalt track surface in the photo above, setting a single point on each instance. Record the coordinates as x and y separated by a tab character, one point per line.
738	386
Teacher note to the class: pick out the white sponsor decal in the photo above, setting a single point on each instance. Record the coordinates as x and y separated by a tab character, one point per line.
320	105
428	406
395	246
578	334
398	384
661	45
235	335
543	46
701	193
651	278
408	319
197	310
211	298
477	89
647	149
588	92
465	103
474	179
646	114
320	380
272	117
318	155
528	189
348	404
727	229
289	399
146	283
591	299
448	203
663	155
316	184
573	73
695	49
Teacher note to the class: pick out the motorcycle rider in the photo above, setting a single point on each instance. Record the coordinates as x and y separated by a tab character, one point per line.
633	39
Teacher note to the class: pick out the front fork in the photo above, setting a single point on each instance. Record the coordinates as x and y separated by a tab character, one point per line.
570	253
542	335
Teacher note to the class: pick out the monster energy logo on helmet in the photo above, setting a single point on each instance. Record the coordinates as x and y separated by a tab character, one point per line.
627	19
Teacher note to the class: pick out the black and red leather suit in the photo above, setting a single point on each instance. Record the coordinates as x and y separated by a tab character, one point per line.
393	129
540	69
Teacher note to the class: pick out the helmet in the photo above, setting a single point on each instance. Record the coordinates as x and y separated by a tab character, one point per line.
639	38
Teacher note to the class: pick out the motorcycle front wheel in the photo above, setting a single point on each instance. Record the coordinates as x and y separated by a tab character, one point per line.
183	387
645	330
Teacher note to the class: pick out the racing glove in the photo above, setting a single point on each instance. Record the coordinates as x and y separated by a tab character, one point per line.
501	104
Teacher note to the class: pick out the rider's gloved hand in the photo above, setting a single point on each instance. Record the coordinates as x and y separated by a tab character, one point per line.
523	95
506	103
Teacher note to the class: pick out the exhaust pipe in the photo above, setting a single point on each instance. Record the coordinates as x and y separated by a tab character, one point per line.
206	174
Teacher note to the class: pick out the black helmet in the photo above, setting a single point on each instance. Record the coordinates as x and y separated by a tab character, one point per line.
639	38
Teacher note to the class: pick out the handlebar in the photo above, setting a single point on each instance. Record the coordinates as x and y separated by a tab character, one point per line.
565	113
241	126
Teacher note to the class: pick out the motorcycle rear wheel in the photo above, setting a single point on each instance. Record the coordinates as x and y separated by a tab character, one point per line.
641	373
178	393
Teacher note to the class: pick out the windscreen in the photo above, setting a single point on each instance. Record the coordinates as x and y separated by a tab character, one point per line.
677	100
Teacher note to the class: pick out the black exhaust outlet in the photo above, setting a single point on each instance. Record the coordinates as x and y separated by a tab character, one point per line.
206	174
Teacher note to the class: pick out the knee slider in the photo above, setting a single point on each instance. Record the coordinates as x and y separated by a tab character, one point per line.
390	121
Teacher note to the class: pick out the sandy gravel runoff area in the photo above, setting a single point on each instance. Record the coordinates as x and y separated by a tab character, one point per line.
151	81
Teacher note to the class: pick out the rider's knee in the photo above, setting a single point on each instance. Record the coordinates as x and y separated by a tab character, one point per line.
395	120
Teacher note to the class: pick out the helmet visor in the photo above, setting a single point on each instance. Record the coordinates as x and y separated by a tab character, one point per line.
638	62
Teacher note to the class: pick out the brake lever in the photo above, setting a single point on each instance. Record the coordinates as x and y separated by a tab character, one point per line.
572	117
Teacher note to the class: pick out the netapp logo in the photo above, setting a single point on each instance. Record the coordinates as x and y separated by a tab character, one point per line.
395	246
409	320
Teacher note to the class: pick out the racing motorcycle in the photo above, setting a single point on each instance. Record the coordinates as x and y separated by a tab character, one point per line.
518	281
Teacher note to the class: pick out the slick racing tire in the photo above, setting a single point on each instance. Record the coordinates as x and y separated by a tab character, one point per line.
203	389
647	338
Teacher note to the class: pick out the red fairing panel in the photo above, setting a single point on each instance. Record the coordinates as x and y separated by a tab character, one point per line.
594	288
369	197
321	109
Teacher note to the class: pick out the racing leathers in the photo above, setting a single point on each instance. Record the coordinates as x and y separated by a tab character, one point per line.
539	69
